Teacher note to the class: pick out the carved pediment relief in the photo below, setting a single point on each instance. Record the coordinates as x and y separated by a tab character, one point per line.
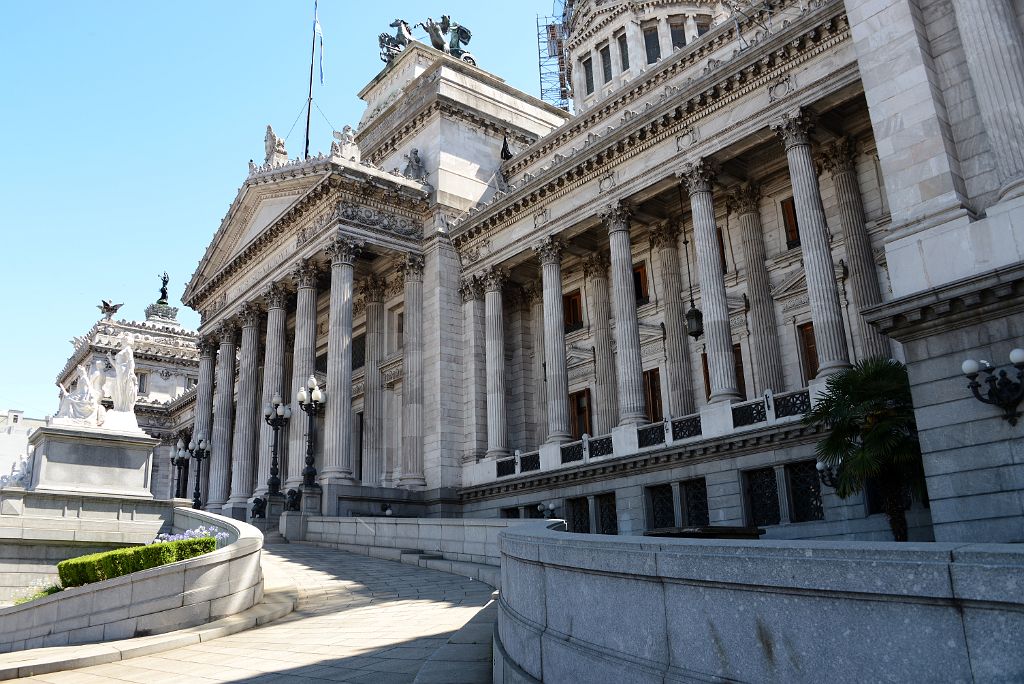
576	355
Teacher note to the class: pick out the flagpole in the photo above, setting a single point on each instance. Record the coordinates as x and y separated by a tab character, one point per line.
309	102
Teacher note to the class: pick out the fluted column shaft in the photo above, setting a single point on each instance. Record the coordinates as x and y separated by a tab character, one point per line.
538	368
764	330
204	406
373	391
826	311
994	48
721	363
412	376
677	356
247	411
838	159
497	427
223	417
627	328
550	252
606	399
338	467
475	369
303	365
273	378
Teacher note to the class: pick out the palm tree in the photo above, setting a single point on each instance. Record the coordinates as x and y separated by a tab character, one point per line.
869	414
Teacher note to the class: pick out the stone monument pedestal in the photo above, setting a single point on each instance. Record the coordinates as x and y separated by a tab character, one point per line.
91	461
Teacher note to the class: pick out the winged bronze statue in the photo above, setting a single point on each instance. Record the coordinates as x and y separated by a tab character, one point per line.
108	308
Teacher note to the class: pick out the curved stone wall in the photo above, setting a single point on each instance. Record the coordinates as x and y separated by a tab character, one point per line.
590	608
154	601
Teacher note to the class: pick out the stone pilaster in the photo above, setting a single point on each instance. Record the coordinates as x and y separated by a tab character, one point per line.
838	160
606	395
204	407
475	366
826	311
664	239
627	328
497	417
766	356
303	365
247	412
412	376
557	381
994	49
275	298
223	416
338	468
373	391
699	178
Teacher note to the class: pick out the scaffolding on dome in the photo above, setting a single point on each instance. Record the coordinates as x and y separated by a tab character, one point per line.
758	11
553	57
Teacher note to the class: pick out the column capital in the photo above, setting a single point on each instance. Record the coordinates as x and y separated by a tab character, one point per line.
276	296
471	289
250	315
837	157
343	250
494	278
226	332
794	128
412	268
616	216
206	345
550	250
373	288
596	265
533	292
744	198
305	274
664	235
698	176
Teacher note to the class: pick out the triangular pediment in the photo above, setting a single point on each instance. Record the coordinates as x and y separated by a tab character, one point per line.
795	283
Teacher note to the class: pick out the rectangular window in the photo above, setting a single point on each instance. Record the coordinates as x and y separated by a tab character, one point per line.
651	45
190	383
762	497
678	31
578	515
737	358
579	414
790	224
572	311
808	350
14	418
804	491
623	51
358	351
510	512
652	395
606	63
640	284
588	75
143	382
661	509
695	502
703	24
607	519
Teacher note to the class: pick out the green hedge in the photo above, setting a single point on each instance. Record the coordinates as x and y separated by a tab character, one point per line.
95	567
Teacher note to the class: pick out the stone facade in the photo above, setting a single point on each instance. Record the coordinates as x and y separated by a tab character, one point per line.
498	334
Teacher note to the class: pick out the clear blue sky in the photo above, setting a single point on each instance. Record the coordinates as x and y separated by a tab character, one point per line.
127	130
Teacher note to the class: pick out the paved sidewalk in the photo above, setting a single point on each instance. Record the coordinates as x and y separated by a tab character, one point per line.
358	619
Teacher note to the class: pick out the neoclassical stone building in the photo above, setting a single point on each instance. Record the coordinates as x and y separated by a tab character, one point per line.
501	334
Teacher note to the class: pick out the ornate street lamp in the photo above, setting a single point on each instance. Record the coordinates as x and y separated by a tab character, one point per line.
310	402
828	475
694	318
179	459
198	451
276	414
1002	391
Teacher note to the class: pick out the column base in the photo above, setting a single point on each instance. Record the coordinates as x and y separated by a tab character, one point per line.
728	395
558	438
832	368
498	453
412	483
214	507
632	419
239	510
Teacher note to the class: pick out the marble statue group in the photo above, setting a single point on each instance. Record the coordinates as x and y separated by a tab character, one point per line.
82	405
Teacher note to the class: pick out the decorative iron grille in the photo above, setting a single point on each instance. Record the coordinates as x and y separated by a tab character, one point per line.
695	502
602	446
686	427
579	515
505	467
528	462
762	497
607	521
662	509
749	414
651	435
793	404
572	452
804	492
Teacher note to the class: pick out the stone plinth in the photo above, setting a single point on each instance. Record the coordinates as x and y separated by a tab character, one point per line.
91	461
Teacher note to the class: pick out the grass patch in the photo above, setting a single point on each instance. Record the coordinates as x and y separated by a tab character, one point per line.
42	593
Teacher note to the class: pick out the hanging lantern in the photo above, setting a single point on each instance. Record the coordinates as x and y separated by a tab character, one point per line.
694	322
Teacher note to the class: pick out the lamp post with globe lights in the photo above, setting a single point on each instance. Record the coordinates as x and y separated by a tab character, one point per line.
1002	390
179	459
276	414
198	451
310	401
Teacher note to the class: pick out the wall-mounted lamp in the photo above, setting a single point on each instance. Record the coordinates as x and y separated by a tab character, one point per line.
547	511
1002	391
386	509
828	475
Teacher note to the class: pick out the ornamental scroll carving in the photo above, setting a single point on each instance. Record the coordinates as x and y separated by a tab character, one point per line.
378	220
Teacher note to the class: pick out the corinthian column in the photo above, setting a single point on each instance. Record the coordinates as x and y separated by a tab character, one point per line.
338	466
994	48
606	396
838	159
247	411
412	376
627	328
764	333
497	428
677	356
303	365
550	253
373	395
223	414
204	404
826	312
698	179
273	377
475	366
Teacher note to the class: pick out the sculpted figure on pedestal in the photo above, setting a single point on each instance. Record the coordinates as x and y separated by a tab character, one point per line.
81	406
274	148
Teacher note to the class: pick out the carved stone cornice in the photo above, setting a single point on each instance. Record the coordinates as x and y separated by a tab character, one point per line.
838	156
377	219
305	274
616	216
250	315
664	235
494	278
343	250
745	198
550	250
276	296
794	128
373	288
596	265
699	176
472	288
412	267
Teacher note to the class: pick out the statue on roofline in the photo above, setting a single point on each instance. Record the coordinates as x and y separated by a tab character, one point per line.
446	36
